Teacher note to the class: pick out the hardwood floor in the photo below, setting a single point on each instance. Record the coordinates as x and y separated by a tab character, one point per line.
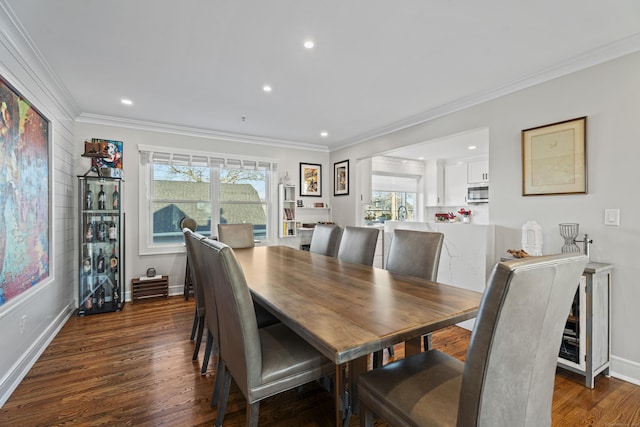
134	368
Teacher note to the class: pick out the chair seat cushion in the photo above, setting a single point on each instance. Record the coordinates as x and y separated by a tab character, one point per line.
421	390
287	358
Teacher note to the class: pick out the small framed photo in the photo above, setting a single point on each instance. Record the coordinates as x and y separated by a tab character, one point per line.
554	158
341	178
310	179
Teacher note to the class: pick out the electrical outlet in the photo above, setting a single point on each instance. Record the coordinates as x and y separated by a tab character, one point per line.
23	322
612	217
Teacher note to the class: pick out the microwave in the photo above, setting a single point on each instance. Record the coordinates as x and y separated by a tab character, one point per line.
479	194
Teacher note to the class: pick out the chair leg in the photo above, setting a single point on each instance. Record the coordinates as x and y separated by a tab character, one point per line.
199	340
253	414
224	396
366	416
207	353
220	374
194	328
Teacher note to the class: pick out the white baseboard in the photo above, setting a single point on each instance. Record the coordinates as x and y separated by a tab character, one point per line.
625	370
20	369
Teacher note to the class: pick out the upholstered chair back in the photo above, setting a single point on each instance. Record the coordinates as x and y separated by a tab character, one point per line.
415	253
236	236
325	239
512	355
358	245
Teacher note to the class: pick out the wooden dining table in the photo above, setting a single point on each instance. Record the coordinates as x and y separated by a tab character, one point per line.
348	311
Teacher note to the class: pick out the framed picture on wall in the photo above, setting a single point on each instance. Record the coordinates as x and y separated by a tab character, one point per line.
25	195
341	178
554	158
310	179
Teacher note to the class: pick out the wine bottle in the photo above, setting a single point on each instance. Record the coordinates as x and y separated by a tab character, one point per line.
113	231
115	292
115	199
88	232
88	198
113	261
102	230
100	267
86	262
102	199
100	296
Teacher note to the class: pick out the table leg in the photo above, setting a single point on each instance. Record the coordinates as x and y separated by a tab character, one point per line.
339	393
357	368
412	346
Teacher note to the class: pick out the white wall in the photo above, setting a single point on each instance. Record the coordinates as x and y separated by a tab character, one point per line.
173	264
46	306
609	95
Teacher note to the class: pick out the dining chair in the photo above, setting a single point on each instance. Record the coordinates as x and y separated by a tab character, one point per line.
508	376
262	361
325	239
191	224
199	316
236	236
416	253
358	245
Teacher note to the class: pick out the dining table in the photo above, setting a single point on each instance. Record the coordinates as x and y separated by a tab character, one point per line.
348	311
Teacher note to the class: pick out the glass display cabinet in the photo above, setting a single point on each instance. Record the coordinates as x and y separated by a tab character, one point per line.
101	228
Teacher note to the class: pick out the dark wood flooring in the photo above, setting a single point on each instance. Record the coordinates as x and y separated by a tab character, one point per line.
134	368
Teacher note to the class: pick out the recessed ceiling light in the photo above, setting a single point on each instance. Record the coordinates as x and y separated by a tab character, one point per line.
266	88
324	134
420	158
472	147
126	101
308	44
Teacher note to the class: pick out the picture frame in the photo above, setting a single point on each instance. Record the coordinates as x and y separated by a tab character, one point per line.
310	179
341	178
25	132
554	158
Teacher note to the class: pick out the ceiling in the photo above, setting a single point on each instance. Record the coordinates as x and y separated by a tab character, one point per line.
377	65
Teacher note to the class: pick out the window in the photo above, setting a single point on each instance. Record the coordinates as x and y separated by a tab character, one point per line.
392	197
211	190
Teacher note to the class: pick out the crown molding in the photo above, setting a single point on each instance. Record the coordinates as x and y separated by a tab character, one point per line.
195	132
574	64
28	57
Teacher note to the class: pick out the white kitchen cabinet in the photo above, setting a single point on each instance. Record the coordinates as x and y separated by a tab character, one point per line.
478	172
434	183
586	341
455	184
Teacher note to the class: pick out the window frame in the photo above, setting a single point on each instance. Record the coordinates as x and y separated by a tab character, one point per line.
216	161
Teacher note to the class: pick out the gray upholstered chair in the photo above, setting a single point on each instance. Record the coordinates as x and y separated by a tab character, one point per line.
508	376
325	239
358	245
263	362
236	236
416	253
199	317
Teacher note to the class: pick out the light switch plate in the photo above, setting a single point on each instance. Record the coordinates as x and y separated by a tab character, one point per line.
612	217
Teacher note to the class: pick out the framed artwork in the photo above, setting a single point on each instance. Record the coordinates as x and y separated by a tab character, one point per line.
554	158
310	179
25	223
112	154
341	178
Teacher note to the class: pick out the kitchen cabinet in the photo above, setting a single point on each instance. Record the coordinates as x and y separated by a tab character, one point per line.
478	172
455	184
434	183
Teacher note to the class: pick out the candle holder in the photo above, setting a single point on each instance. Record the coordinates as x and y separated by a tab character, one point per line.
569	232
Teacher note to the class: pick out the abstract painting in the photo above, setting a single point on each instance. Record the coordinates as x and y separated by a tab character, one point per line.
24	194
